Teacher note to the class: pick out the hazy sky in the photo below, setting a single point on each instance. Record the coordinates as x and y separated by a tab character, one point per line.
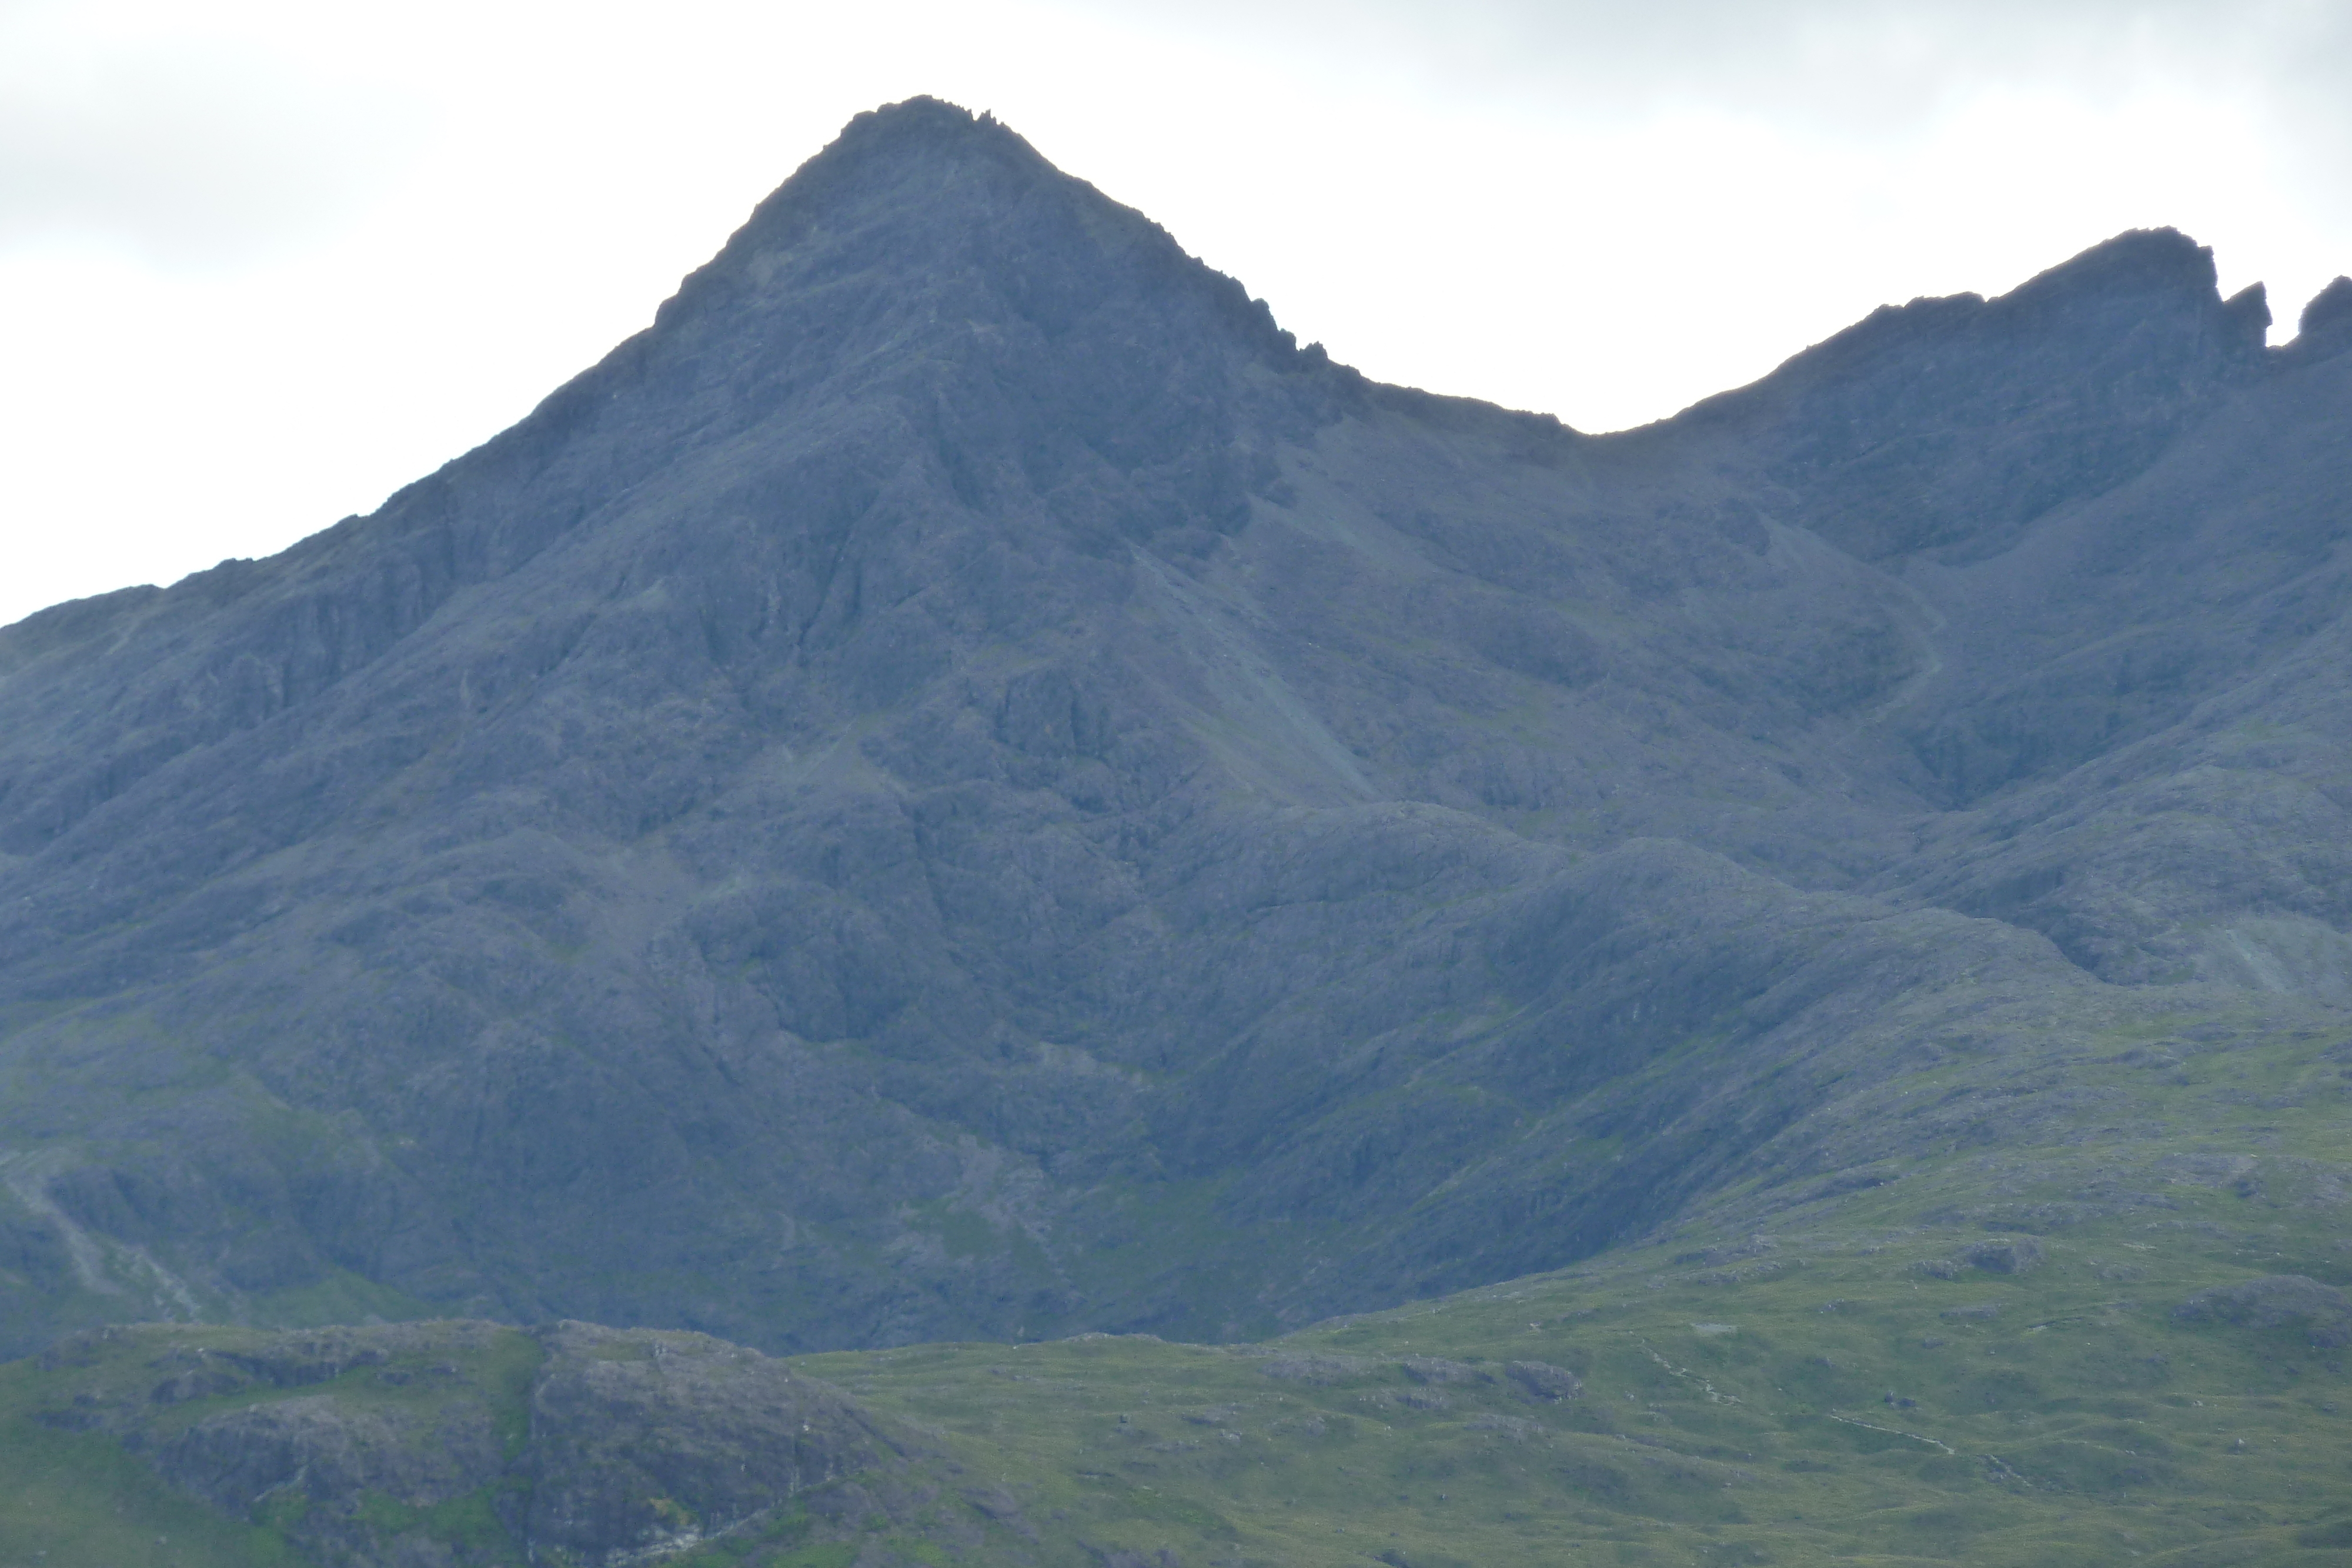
262	261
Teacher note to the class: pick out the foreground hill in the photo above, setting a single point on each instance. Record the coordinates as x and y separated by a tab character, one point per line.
962	785
2056	1356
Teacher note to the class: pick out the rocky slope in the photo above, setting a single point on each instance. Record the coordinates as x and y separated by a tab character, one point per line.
962	784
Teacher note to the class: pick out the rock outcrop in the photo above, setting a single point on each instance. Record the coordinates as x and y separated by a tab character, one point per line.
2321	1314
465	1443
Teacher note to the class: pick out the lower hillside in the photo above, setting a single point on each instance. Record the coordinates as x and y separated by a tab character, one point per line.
2133	1394
2123	1338
451	1445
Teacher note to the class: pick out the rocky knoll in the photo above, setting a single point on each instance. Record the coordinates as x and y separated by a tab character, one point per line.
963	784
470	1443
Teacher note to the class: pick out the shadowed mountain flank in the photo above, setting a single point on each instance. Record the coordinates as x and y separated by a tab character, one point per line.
963	785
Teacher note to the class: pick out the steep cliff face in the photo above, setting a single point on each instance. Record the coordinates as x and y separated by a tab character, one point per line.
962	784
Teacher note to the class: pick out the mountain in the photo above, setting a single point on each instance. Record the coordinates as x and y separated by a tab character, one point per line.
962	785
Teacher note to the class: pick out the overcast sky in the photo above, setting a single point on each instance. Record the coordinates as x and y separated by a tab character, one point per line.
263	261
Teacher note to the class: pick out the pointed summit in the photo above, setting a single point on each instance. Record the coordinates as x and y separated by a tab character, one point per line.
930	272
920	213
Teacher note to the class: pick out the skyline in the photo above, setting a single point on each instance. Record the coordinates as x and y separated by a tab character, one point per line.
289	260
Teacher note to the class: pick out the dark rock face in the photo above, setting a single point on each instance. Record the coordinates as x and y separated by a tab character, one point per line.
962	785
2008	1255
1541	1380
1950	424
639	1438
2328	311
2321	1312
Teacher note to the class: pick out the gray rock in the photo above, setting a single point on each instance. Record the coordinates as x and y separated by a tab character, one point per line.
640	1438
2006	1255
1439	1369
2320	1312
1307	1368
609	1444
1541	1380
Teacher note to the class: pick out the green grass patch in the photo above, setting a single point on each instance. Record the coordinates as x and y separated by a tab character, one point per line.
72	1499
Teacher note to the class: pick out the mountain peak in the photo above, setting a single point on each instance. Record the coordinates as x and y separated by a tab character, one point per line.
883	145
923	120
2067	384
924	220
2143	278
2135	260
2329	311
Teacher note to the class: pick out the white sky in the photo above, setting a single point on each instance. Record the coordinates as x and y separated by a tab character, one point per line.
264	261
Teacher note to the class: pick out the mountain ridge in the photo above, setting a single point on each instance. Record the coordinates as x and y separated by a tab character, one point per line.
962	784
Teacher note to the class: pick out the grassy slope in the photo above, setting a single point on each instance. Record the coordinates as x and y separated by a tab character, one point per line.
1821	1393
70	1498
1720	1422
74	1499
